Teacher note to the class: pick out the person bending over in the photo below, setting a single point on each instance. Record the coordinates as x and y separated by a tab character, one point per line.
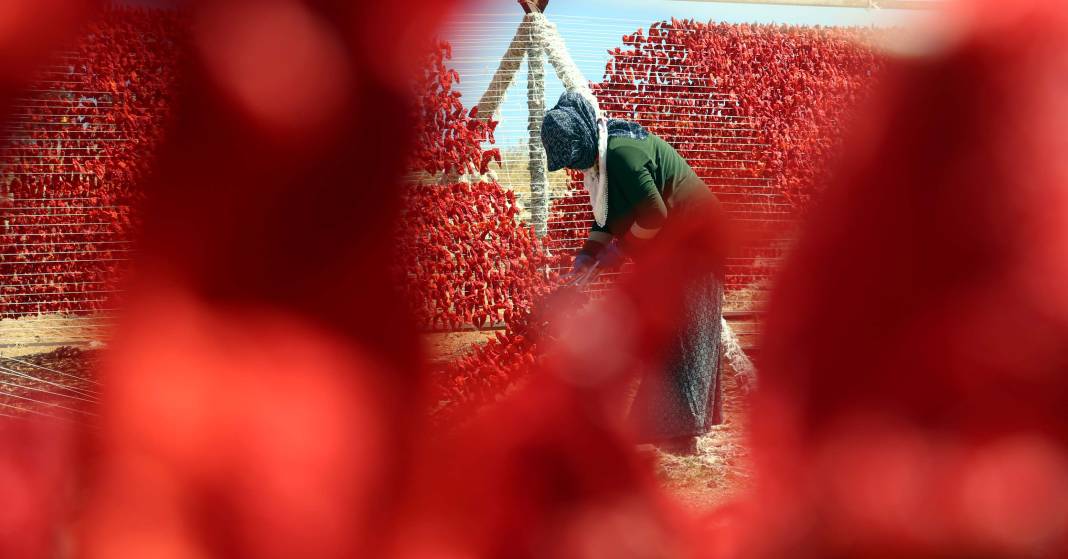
638	183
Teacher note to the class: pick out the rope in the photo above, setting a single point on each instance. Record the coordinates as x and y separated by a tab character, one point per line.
491	100
547	35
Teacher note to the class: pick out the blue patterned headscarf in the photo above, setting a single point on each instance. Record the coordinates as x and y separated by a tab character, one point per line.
569	132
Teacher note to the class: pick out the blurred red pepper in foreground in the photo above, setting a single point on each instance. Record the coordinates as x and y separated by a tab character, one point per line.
270	207
30	30
914	382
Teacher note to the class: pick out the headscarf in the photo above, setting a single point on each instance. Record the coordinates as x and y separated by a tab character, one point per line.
574	136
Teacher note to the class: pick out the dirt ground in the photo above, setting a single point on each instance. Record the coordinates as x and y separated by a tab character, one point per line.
720	472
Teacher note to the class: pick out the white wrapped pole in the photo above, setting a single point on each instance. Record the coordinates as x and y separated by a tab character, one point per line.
536	164
549	38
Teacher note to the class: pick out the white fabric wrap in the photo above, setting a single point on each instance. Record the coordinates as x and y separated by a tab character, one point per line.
595	179
560	58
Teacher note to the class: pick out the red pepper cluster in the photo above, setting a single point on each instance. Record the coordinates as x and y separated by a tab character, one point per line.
754	109
793	86
484	374
84	136
467	259
449	137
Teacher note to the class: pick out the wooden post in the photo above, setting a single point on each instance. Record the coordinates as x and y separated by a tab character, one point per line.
539	183
532	6
502	78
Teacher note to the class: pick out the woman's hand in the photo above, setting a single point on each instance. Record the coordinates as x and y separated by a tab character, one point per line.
583	262
608	258
611	256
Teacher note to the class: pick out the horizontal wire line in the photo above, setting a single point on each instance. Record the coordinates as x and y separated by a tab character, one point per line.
726	204
78	332
736	219
59	293
57	174
83	126
685	139
60	243
86	102
80	92
688	159
614	60
36	401
52	302
35	274
46	262
504	28
733	124
76	322
54	139
49	148
51	215
62	233
459	39
53	156
54	253
61	207
22	314
676	117
31	411
574	17
51	199
602	84
683	144
61	386
47	128
83	109
24	285
61	225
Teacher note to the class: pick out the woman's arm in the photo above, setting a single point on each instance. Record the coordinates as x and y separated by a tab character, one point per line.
650	211
599	238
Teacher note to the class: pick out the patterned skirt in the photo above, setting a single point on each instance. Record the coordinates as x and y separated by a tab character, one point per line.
686	398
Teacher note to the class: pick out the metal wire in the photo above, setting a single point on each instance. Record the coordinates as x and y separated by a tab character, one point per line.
43	368
84	395
52	405
30	411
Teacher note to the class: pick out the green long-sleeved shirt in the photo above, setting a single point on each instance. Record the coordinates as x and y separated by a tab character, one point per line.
646	179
